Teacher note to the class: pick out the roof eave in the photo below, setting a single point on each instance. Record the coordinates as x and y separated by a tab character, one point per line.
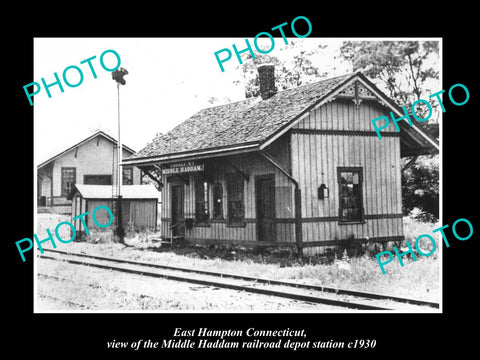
99	133
192	155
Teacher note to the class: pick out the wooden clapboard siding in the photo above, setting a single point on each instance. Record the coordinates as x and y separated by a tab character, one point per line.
338	134
380	174
101	215
142	213
252	165
165	227
342	114
79	206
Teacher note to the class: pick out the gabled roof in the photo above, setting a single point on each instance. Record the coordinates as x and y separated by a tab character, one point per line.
252	123
105	191
93	136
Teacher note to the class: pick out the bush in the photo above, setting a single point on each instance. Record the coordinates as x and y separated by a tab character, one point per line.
420	188
413	228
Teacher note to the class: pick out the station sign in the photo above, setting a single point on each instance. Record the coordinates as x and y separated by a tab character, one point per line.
182	168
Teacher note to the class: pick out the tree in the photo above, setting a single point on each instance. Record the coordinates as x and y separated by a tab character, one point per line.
293	67
96	126
420	188
402	68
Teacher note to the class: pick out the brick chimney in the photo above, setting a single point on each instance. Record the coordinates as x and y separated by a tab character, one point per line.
266	77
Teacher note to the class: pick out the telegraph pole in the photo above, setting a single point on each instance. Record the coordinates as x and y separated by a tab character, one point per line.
118	75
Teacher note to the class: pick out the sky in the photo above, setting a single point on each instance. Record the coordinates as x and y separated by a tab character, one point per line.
169	80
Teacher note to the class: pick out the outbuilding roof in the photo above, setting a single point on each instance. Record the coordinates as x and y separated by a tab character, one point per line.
107	192
250	123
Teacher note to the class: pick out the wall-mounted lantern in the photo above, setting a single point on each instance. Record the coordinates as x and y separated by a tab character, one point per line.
323	192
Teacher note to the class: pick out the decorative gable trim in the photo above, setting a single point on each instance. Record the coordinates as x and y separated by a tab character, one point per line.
357	87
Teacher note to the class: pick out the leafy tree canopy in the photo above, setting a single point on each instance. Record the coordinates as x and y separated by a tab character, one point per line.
293	67
420	188
404	69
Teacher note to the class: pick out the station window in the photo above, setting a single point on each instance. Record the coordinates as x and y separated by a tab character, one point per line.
236	206
68	179
350	189
217	191
201	201
127	173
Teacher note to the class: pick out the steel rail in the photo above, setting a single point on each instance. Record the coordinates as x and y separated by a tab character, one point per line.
265	281
226	285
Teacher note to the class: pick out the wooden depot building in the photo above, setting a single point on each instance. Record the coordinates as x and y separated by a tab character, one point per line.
299	168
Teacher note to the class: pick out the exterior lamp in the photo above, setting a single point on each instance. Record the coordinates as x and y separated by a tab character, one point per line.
323	192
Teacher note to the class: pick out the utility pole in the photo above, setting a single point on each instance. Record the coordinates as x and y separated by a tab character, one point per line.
118	75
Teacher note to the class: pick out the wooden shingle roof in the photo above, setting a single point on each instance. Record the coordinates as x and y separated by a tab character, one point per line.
245	124
105	191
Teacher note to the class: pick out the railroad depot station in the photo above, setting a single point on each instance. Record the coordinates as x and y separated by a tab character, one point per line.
300	168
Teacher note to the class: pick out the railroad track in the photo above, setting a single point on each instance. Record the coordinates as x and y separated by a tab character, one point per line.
303	292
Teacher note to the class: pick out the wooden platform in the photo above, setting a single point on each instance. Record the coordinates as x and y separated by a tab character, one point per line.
166	240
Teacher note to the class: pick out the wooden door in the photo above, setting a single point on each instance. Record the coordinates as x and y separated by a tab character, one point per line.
177	210
265	199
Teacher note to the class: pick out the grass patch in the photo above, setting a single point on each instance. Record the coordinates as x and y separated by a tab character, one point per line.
351	269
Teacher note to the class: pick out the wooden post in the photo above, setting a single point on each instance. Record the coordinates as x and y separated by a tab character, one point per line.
118	75
298	219
120	230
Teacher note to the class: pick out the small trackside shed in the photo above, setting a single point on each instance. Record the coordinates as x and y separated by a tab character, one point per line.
299	168
139	206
